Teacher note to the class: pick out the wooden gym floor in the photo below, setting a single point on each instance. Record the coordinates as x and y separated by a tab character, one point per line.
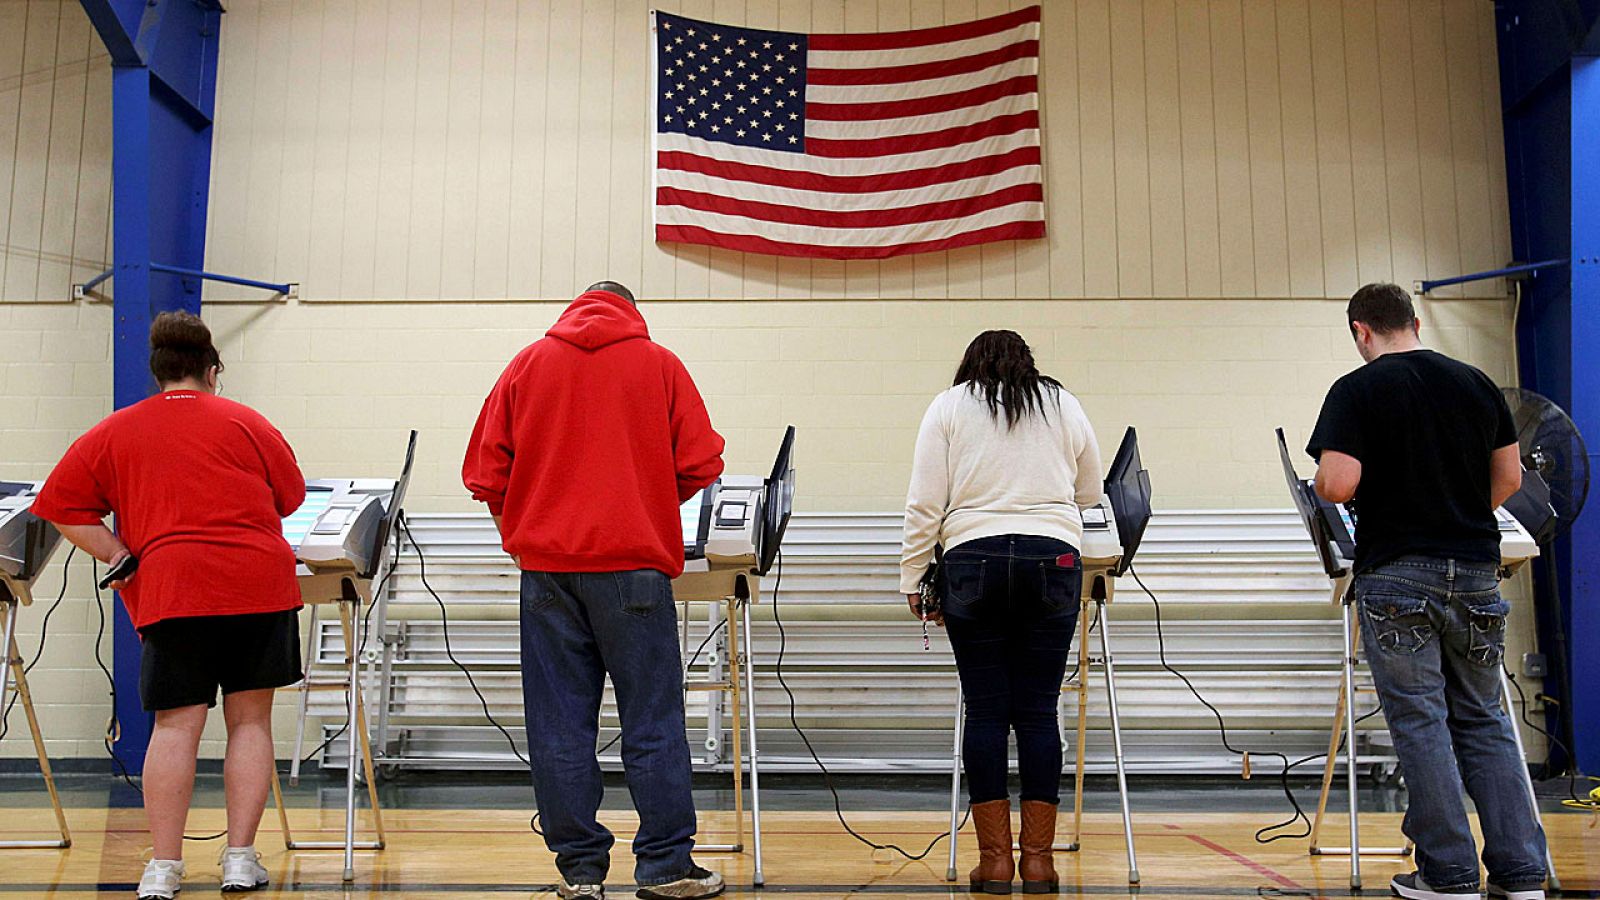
457	853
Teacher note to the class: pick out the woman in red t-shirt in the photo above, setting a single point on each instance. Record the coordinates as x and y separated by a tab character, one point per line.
199	486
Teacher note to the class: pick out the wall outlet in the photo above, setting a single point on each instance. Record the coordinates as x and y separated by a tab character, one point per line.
1534	665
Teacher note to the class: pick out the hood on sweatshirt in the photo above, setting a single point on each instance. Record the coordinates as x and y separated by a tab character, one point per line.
599	319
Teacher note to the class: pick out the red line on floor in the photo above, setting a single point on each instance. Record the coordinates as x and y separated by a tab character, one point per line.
1245	861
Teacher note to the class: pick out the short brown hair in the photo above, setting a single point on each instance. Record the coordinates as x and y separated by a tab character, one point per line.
1385	308
181	347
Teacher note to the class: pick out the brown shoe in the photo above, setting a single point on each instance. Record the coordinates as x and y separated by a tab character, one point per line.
1038	859
996	868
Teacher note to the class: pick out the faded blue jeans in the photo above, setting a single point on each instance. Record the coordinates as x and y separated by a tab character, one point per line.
576	627
1434	631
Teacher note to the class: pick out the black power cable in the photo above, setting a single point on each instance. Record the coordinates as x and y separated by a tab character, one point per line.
1264	835
1572	771
44	632
827	777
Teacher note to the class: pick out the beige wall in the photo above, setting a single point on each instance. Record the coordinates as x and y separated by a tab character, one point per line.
489	149
1212	170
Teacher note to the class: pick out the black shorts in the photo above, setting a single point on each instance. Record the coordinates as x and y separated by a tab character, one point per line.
186	660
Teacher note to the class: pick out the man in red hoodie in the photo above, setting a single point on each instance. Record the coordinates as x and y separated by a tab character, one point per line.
583	452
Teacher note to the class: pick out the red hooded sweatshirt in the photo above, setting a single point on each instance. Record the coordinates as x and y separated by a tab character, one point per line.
588	443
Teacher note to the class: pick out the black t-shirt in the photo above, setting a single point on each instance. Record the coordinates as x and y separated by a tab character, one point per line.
1423	426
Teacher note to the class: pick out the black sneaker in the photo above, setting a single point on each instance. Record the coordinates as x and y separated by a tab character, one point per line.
1534	891
698	884
1412	887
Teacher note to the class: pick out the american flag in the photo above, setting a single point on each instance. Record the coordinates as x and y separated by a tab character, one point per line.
848	146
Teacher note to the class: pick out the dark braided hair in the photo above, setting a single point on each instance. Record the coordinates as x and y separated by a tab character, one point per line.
999	369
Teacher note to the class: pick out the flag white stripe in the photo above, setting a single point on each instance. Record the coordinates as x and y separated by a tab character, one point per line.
910	90
875	128
825	165
1031	211
827	200
910	56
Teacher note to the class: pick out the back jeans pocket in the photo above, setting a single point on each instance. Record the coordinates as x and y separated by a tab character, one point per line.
641	592
963	580
1060	586
1398	622
536	592
1486	625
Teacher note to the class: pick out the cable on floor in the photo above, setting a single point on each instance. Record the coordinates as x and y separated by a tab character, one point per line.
1269	833
827	777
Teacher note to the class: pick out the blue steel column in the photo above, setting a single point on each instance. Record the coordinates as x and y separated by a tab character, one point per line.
164	70
130	369
1584	606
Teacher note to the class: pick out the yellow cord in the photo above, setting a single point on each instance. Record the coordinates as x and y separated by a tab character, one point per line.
1590	803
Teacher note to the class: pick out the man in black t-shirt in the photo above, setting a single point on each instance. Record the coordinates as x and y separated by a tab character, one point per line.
1423	449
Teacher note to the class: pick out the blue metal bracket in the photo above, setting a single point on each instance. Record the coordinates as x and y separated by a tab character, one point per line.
288	289
79	290
1423	287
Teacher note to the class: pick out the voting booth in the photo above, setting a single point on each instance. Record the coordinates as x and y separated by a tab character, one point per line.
26	544
1112	530
341	536
1331	527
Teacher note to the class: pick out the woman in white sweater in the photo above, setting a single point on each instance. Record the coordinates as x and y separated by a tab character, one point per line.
1004	461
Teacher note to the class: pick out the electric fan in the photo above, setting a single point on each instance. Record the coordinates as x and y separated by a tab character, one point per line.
1554	488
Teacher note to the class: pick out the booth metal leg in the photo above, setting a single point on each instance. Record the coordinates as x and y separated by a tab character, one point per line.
748	665
1527	779
955	784
736	695
304	700
358	752
1116	738
1351	774
1083	724
1344	721
14	670
350	619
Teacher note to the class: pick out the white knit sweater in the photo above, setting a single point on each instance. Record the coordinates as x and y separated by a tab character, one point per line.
972	477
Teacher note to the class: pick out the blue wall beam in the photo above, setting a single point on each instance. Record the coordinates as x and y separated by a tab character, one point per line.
163	87
227	279
1583	609
1426	286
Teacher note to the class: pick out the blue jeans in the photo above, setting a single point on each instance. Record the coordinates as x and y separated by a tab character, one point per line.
576	627
1434	632
1010	611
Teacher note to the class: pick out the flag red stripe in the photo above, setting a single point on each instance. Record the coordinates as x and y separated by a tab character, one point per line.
921	106
944	68
693	234
848	184
855	218
930	140
922	37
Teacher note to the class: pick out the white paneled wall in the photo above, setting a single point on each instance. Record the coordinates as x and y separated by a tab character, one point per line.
491	150
55	150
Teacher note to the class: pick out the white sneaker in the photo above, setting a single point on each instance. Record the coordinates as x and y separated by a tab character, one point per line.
242	870
580	891
162	879
697	884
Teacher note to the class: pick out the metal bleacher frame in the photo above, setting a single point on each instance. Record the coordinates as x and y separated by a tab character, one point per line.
1246	617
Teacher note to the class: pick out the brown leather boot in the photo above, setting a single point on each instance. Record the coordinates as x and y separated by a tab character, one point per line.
996	867
1038	859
